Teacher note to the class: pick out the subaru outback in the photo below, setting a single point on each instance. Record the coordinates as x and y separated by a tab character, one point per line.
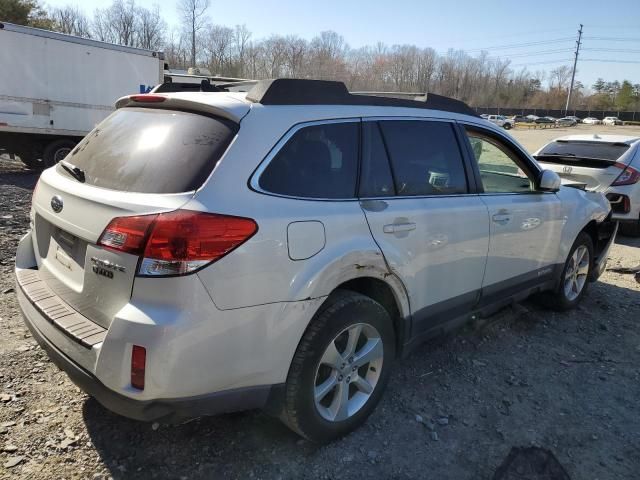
200	253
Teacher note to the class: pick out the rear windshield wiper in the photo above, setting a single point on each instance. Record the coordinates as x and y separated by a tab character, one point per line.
74	171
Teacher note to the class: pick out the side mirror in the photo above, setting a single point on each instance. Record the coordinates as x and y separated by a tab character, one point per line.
549	181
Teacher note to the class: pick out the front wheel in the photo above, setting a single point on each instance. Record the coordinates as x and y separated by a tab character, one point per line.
575	275
340	368
507	126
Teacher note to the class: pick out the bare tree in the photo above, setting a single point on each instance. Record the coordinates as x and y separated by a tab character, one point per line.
193	21
217	44
150	28
71	20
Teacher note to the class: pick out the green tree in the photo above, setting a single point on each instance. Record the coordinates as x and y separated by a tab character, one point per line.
625	97
599	86
24	12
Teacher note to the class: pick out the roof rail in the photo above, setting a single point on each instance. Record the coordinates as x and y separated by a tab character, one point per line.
293	91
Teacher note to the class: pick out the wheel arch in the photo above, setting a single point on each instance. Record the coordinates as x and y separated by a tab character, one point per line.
383	293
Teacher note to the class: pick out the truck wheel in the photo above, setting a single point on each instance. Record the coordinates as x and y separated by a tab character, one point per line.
340	368
507	126
56	151
31	160
575	276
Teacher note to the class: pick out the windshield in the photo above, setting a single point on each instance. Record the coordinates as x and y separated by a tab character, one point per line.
599	150
150	151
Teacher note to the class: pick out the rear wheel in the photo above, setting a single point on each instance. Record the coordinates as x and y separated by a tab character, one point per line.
507	126
575	275
56	151
340	368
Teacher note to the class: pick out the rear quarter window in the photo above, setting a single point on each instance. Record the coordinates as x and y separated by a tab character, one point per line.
318	161
152	150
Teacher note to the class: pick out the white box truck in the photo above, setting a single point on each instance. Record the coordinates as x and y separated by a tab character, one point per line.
55	88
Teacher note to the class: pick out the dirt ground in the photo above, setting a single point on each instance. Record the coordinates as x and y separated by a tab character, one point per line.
527	376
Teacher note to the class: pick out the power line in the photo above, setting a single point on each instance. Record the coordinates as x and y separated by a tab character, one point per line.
521	45
546	62
616	50
614	39
607	60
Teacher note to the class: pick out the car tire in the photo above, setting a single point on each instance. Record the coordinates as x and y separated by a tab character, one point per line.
574	282
630	229
325	397
507	126
56	151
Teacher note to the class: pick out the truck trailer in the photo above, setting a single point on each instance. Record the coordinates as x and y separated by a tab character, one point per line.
55	88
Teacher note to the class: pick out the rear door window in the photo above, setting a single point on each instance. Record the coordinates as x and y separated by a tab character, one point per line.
425	157
318	161
152	150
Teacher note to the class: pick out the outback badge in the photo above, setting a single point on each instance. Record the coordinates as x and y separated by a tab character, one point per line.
105	267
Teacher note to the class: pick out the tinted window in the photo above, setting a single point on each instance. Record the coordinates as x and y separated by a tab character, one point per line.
319	161
152	150
602	151
375	179
425	157
501	171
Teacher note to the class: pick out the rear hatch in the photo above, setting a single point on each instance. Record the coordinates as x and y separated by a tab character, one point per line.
595	164
138	161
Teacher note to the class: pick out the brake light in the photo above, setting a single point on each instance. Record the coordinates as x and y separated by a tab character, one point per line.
179	242
629	175
138	366
147	98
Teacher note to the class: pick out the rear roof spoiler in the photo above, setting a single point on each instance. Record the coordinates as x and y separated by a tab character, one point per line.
225	106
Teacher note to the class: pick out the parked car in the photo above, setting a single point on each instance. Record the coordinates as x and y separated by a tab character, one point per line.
592	121
520	119
566	122
532	118
544	120
485	116
501	121
577	119
604	163
237	251
612	121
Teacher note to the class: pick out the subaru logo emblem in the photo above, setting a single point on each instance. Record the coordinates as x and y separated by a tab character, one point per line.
57	204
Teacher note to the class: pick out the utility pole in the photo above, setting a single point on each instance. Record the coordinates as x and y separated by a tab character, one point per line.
573	73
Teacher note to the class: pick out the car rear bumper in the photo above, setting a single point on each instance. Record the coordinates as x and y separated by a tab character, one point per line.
167	410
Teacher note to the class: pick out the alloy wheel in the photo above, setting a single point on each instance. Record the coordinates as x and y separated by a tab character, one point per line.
348	372
576	274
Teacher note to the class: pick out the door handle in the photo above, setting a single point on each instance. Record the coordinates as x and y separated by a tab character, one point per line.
398	227
501	218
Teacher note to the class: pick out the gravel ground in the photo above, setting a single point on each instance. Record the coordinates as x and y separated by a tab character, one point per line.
566	382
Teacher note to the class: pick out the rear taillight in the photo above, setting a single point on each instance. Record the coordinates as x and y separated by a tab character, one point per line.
629	175
179	242
127	234
138	366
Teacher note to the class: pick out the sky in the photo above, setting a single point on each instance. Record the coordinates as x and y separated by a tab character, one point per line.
548	28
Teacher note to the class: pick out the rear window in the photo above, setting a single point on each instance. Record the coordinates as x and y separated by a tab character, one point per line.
152	150
601	151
